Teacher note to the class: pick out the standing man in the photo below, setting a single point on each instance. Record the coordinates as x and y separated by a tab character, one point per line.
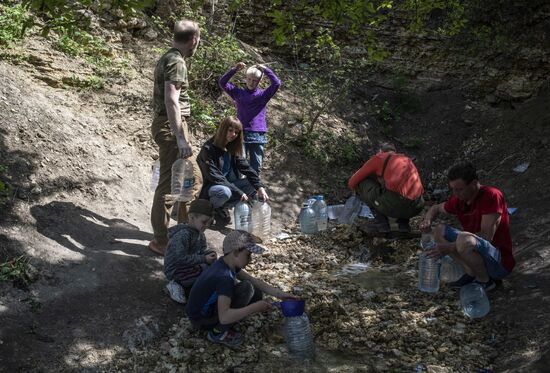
484	247
390	184
169	129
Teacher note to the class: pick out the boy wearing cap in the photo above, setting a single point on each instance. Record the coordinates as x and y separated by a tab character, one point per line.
217	300
186	253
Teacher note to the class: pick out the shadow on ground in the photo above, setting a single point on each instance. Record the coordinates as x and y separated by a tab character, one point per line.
84	306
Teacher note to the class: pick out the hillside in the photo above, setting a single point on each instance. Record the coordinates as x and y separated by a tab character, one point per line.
78	159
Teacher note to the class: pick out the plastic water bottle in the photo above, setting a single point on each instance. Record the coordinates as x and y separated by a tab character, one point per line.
351	209
261	219
155	175
243	216
321	212
308	220
299	339
428	268
450	270
183	180
474	301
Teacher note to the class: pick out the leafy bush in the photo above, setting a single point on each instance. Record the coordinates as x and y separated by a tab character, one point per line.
14	270
13	23
93	82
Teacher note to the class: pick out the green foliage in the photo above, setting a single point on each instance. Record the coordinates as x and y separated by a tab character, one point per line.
451	19
15	269
325	146
93	82
14	19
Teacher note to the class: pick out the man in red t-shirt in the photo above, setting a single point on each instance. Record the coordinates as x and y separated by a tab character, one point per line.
484	247
390	184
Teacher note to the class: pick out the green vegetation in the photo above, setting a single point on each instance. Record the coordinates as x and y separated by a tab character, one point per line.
93	82
14	19
15	269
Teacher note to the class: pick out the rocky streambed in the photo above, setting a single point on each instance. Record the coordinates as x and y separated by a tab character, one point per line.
370	318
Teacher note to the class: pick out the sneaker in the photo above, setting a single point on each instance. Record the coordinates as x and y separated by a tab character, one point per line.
464	280
176	292
487	286
222	217
230	338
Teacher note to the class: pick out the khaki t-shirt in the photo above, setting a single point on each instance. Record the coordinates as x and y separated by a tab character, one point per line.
171	67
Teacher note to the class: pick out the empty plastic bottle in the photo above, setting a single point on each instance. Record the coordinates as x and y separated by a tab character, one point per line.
155	175
321	212
308	220
299	339
261	219
243	216
428	268
450	270
183	180
474	301
351	209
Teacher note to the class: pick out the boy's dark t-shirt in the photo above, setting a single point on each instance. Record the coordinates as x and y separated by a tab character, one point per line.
216	280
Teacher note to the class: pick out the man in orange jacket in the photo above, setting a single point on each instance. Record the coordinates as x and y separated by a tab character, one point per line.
390	184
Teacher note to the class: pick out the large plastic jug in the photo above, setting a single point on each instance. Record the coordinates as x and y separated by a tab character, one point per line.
299	339
450	270
321	212
428	268
183	180
261	219
155	175
308	219
243	216
351	209
474	301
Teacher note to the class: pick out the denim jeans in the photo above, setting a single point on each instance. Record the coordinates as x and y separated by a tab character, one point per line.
222	196
255	153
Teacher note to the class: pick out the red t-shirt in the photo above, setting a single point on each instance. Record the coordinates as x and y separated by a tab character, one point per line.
489	200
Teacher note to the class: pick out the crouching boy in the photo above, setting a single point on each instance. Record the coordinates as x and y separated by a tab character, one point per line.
186	253
217	300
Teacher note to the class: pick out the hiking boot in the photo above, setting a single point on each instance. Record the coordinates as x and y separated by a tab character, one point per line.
221	217
464	280
156	247
230	338
176	292
487	286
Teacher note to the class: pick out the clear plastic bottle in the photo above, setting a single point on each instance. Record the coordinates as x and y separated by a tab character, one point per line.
243	216
450	270
321	212
308	220
155	174
183	180
350	211
261	219
428	268
299	339
474	301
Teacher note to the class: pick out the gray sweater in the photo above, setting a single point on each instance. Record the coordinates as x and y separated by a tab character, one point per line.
186	248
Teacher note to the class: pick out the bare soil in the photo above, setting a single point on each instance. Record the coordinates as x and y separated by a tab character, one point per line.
80	161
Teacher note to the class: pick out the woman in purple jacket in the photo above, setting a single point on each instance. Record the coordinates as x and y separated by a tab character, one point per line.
251	103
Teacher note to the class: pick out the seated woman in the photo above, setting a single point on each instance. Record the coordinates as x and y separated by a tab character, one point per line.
222	165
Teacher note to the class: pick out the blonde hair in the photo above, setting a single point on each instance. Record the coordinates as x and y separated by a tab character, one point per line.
235	147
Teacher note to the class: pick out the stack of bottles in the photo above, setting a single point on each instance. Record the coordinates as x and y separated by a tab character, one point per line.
428	268
255	219
314	215
183	180
299	339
